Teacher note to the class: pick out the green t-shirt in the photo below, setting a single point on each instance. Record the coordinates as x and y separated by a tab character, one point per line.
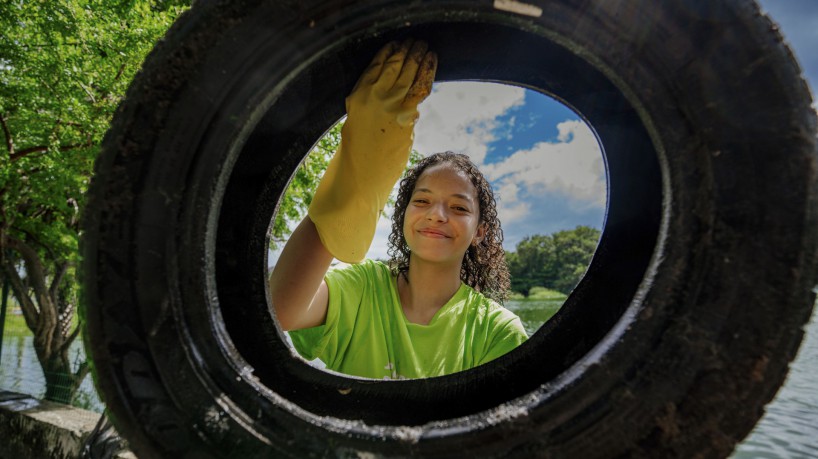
366	332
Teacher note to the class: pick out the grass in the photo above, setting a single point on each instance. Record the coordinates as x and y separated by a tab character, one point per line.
538	293
15	324
542	293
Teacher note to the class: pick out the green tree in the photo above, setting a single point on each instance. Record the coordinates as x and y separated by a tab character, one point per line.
573	250
298	196
531	265
556	261
64	66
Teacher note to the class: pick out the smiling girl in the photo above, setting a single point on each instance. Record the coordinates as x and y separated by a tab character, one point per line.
433	309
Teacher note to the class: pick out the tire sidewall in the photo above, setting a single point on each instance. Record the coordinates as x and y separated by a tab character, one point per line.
723	298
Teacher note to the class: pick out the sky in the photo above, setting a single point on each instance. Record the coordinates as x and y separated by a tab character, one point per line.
543	162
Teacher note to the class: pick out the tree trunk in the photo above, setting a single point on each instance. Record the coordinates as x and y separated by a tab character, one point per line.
47	315
61	384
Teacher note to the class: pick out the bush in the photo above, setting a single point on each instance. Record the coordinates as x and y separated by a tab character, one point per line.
542	293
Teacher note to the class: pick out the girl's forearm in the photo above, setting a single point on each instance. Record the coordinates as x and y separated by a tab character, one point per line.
298	295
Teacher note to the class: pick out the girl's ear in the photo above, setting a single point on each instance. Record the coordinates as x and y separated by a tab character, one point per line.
479	234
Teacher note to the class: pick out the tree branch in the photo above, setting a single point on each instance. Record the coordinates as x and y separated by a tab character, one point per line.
75	219
48	45
107	93
88	93
72	124
58	276
30	313
70	339
120	72
45	324
9	140
34	267
43	148
33	239
82	372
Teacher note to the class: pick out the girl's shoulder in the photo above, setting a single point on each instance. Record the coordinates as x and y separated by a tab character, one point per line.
365	271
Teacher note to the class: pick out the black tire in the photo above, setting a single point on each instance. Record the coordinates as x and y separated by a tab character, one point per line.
678	335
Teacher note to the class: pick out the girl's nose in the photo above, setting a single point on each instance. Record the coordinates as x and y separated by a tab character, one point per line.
436	212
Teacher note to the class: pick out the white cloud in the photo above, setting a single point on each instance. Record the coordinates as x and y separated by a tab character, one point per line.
460	116
509	206
572	167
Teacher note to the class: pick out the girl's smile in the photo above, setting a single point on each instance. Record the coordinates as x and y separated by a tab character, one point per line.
433	233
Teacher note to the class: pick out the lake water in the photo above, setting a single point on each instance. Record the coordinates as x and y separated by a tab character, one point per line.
788	430
20	371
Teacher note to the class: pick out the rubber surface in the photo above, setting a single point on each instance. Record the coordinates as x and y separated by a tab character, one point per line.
680	332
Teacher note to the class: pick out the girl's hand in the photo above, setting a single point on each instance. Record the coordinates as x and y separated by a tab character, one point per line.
375	144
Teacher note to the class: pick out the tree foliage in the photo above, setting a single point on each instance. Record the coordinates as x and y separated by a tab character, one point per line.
556	261
298	196
64	66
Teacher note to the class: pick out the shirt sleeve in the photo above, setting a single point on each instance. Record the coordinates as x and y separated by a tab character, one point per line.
507	333
308	341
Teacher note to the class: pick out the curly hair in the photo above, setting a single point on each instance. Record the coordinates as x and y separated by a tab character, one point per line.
484	265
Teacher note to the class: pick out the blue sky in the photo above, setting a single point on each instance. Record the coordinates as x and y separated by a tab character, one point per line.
543	162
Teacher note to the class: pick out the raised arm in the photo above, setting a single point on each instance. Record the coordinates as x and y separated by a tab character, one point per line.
297	288
375	144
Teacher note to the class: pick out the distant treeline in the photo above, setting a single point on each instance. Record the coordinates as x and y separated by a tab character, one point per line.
556	261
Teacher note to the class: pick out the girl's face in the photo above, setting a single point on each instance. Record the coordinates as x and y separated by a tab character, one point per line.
443	215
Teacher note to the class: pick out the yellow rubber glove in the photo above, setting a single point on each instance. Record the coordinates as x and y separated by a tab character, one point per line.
375	144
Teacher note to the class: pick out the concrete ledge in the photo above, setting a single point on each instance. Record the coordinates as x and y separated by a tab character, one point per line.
38	428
